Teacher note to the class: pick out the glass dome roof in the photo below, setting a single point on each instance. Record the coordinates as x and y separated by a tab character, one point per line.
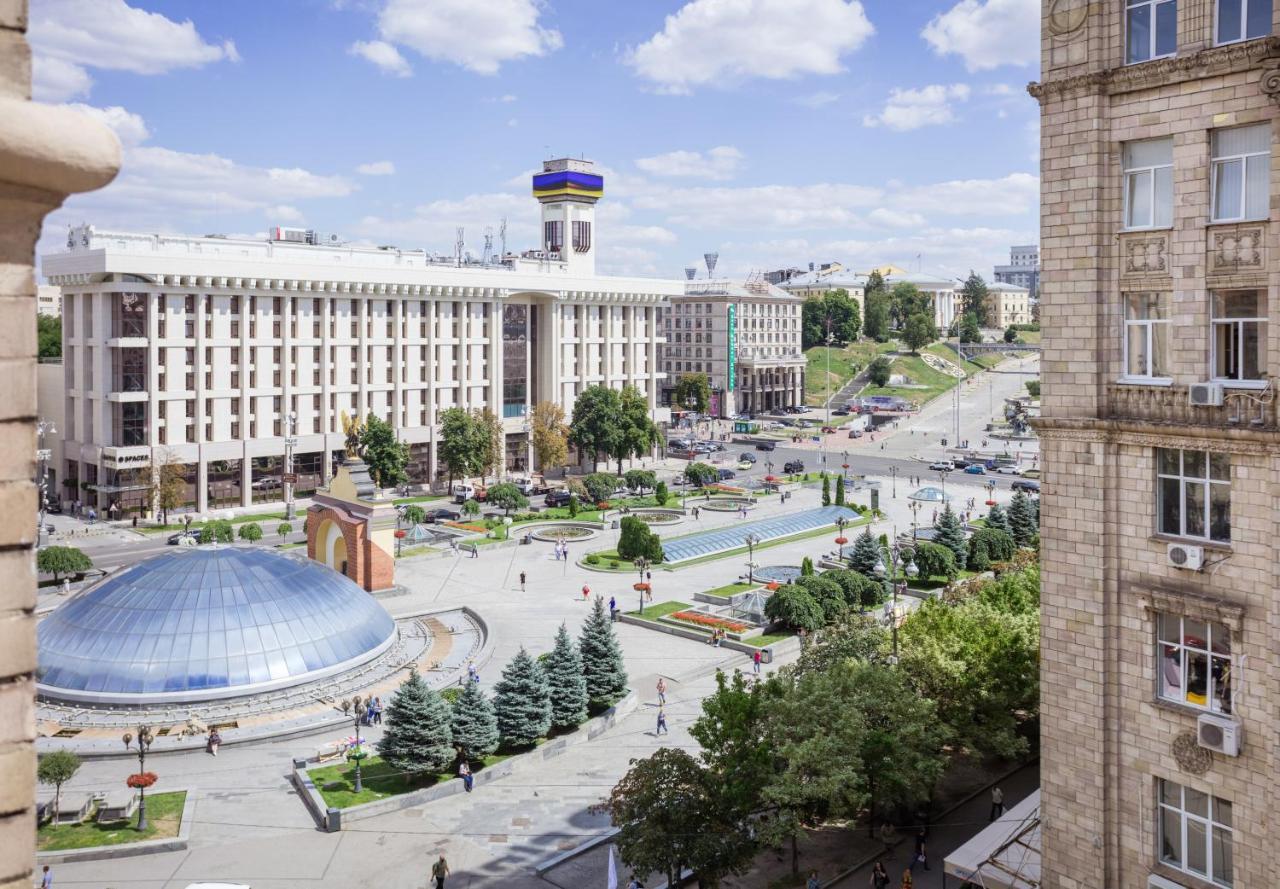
208	623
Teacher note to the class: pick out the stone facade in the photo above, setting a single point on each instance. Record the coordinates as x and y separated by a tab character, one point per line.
45	154
1108	736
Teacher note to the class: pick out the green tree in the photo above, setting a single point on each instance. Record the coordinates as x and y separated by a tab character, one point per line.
919	332
474	725
839	490
633	431
522	702
636	540
460	441
876	315
990	545
970	331
973	298
600	486
700	474
730	733
470	508
660	494
998	519
60	560
601	658
418	737
566	682
906	300
827	593
795	608
168	485
284	529
1033	388
490	438
860	591
806	567
826	490
48	336
852	636
693	392
834	312
596	412
385	457
879	371
1010	334
217	531
670	817
414	515
950	533
250	532
549	435
640	480
935	560
506	497
1022	519
866	554
57	767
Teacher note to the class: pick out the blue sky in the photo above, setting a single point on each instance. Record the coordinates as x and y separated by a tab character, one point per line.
777	132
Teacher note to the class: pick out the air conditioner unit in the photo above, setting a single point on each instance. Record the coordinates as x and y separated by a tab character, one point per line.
1205	394
1221	734
1184	555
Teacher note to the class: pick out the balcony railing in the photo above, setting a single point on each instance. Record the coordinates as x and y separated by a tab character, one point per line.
1171	406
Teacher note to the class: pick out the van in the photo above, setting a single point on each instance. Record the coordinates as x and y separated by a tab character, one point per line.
462	492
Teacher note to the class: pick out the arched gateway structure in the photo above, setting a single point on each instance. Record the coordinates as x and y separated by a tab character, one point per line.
351	531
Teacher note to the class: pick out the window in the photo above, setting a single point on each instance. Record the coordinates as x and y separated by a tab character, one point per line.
1242	20
1195	832
1193	494
1241	173
1152	29
1195	662
1239	341
1148	184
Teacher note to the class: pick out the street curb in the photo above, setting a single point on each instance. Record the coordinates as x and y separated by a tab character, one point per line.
556	860
128	850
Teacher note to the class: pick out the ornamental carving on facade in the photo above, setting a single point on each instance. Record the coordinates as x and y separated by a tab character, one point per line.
1067	17
1146	255
1190	755
1235	249
1269	81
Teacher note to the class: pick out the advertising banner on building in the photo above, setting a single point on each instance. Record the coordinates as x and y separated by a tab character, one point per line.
733	347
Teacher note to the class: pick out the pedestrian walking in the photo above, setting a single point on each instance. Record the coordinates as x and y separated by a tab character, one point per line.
812	882
522	581
586	592
879	876
907	882
997	803
46	878
755	661
662	723
920	856
215	741
464	772
473	675
439	871
613	609
888	838
377	711
662	691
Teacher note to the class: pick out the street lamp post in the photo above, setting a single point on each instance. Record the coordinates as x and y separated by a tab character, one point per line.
43	455
642	565
144	744
942	477
893	473
751	540
898	583
356	753
915	509
840	524
290	442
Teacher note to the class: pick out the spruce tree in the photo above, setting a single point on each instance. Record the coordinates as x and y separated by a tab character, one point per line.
475	727
998	519
826	490
865	555
418	738
1022	519
806	567
522	702
951	535
568	685
840	490
601	659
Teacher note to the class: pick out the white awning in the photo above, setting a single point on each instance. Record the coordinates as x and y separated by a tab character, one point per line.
1004	855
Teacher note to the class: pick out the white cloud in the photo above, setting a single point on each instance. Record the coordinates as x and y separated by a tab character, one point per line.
911	109
895	218
508	98
284	213
988	33
762	206
377	168
717	41
383	55
820	99
1012	195
721	162
68	36
130	128
478	36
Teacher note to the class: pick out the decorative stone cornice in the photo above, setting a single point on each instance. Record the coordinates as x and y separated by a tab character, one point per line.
1164	72
1248	442
55	149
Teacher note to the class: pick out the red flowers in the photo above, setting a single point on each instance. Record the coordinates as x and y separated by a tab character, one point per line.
141	780
706	620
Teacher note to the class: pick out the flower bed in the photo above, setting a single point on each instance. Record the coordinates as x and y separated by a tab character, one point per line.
706	620
468	526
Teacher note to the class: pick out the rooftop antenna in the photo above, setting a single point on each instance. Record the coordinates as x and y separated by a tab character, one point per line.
458	245
690	272
711	260
488	246
502	235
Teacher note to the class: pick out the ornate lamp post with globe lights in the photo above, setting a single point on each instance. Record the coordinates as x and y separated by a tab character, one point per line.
355	751
142	779
898	581
751	540
841	540
642	565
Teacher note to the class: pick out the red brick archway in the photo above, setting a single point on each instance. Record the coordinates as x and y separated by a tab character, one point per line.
340	540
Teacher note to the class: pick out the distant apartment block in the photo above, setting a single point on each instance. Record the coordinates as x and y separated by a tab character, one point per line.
1023	269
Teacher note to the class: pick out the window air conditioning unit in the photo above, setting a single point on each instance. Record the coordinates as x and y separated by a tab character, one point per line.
1182	555
1218	733
1205	394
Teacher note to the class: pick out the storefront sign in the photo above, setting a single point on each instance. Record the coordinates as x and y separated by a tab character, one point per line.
733	347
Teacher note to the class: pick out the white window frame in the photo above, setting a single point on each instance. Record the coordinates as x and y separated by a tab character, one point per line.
1238	336
1131	5
1216	161
1150	171
1244	23
1207	480
1185	652
1184	816
1150	324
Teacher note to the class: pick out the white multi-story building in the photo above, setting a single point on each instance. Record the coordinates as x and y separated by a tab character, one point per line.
203	351
744	337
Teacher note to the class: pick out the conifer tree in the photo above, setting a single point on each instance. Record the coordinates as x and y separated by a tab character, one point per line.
522	702
601	659
418	737
865	555
806	567
826	490
567	683
840	490
998	519
951	535
475	727
1022	519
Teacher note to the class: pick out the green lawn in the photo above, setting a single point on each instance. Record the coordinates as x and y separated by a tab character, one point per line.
730	588
378	780
261	517
611	555
164	817
768	639
845	363
653	612
932	382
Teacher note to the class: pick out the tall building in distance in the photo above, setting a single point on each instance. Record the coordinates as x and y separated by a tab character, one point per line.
1160	753
211	352
1023	269
744	337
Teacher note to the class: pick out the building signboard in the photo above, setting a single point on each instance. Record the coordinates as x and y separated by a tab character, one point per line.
733	347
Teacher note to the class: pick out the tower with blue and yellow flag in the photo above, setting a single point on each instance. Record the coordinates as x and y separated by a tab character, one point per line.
568	189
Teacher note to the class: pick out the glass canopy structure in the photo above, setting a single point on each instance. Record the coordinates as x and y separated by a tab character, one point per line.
206	623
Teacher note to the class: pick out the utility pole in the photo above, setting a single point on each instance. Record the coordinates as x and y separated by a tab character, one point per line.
43	455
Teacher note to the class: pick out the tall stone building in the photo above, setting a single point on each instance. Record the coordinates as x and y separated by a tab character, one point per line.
46	153
1161	449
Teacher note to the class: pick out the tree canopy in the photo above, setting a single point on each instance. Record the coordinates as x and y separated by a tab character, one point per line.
418	735
60	560
906	300
877	314
385	457
549	435
595	413
693	391
461	443
879	371
794	606
973	298
506	497
919	331
48	336
834	311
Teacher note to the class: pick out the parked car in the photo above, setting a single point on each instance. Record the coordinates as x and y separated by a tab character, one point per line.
442	515
765	446
975	469
793	466
839	412
1008	470
559	497
855	433
1023	484
747	457
726	474
827	430
176	539
959	462
942	465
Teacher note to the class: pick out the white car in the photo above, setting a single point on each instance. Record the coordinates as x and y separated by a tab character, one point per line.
942	465
1008	470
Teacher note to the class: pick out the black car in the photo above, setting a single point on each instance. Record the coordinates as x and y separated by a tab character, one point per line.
765	446
726	474
793	466
1023	484
442	515
959	462
840	412
559	497
747	457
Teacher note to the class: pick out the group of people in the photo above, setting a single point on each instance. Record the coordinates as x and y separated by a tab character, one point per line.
562	550
372	712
